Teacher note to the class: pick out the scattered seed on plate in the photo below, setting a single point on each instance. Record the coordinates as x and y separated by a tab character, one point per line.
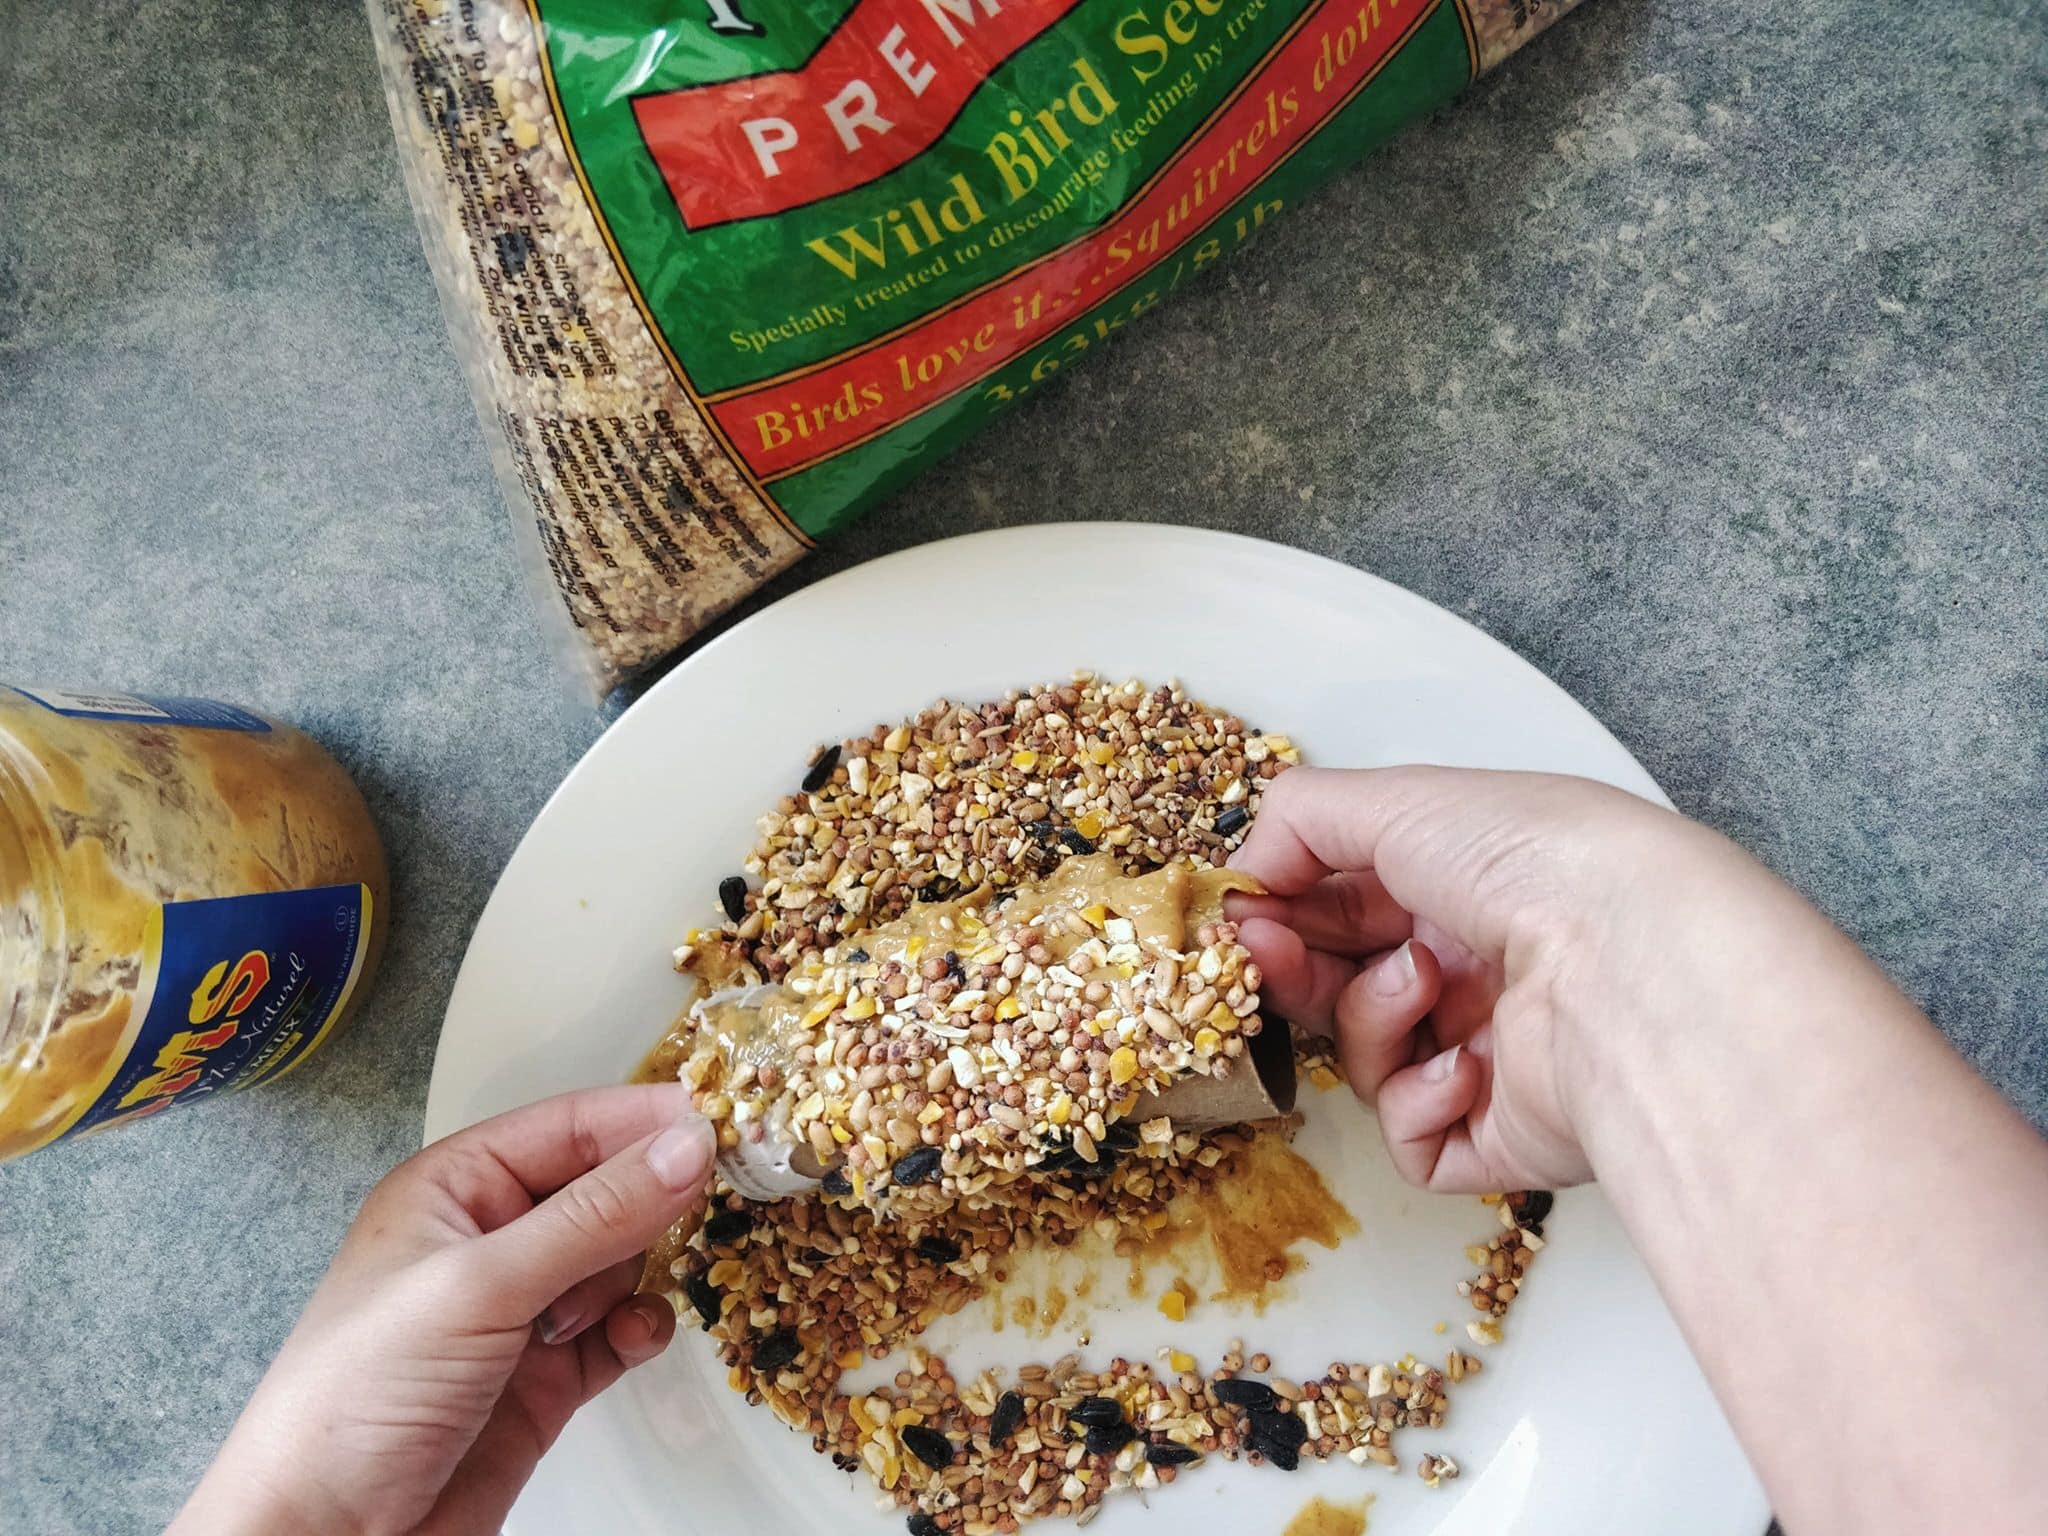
798	1293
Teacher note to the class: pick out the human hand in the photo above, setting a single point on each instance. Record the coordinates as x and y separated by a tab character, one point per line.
484	1293
1474	940
1539	977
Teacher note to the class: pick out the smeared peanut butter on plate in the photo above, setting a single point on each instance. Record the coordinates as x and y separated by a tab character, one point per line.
1320	1517
1251	1224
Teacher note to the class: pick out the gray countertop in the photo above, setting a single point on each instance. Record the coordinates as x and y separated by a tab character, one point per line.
1698	355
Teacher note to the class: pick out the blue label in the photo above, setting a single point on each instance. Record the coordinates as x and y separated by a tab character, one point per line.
245	987
145	709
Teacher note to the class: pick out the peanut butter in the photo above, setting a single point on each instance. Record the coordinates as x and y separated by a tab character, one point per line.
191	899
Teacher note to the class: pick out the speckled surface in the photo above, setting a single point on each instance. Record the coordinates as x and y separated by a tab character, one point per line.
1699	356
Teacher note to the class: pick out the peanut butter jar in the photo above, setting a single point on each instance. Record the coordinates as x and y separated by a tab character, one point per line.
193	898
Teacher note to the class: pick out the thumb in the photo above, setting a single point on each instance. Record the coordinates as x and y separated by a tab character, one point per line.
612	1212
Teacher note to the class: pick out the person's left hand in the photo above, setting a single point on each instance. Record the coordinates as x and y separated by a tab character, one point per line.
484	1294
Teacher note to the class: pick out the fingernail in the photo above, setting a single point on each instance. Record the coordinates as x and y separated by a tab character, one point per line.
1441	1065
634	1334
681	1154
1393	974
556	1327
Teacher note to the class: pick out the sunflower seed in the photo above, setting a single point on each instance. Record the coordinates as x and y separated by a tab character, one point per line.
703	1296
1240	1393
820	772
725	1226
776	1350
1108	1439
1004	1421
920	1166
732	895
1280	1428
1097	1410
928	1446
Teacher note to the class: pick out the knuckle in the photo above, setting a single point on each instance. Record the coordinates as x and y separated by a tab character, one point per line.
1283	790
596	1206
583	1137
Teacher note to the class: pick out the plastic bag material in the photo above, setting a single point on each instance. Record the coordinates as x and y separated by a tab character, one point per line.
725	273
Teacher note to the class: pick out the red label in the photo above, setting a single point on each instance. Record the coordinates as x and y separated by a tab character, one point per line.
881	90
783	426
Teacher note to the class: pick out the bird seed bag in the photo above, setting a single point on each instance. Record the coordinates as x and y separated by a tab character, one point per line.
725	273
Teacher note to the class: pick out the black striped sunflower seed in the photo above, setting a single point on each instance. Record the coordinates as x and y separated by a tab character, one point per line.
917	1167
939	1250
1097	1410
1279	1427
727	1226
1531	1208
1240	1393
1230	818
1004	1421
820	772
776	1350
732	895
922	1524
703	1297
928	1446
1165	1453
1284	1456
1108	1439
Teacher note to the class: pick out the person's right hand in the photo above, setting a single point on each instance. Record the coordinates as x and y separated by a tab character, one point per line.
1470	937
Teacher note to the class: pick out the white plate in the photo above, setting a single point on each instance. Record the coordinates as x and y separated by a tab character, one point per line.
1591	1417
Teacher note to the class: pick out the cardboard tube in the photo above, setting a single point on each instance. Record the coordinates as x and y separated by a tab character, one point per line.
1260	1086
770	1169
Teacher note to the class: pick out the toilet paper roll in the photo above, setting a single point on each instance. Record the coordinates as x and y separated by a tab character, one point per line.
1261	1085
